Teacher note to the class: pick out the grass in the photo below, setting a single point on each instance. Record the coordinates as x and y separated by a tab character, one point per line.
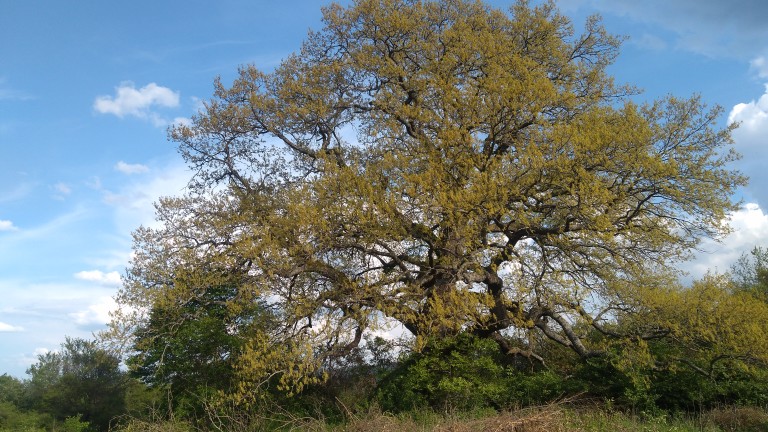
554	418
550	418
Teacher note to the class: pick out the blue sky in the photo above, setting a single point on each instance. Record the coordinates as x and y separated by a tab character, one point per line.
87	90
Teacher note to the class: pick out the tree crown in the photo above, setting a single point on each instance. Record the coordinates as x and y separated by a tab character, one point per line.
444	165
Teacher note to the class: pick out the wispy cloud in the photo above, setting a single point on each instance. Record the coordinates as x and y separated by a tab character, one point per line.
8	93
47	230
107	279
127	168
139	103
759	65
9	328
651	42
94	183
28	360
17	192
709	27
96	313
62	190
134	202
6	225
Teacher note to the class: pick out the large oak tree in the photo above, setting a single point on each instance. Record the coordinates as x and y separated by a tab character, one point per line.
443	165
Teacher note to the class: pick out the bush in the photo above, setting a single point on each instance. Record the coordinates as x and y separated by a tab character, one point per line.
75	424
466	373
457	373
14	419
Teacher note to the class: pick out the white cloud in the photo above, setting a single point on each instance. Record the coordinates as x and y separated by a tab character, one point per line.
27	360
753	115
127	168
134	203
48	231
96	314
750	229
760	66
7	93
117	257
107	279
39	351
62	188
182	121
6	225
752	142
129	101
9	328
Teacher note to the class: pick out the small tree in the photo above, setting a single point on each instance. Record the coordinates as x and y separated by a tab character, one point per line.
11	390
81	382
750	272
189	349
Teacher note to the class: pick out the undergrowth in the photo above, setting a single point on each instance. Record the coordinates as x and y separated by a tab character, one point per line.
556	417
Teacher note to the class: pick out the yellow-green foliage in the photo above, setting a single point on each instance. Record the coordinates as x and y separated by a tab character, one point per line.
713	322
440	164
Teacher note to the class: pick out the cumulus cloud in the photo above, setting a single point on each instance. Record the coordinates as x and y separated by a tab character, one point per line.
9	328
752	115
750	229
6	225
127	168
96	314
752	142
107	279
140	103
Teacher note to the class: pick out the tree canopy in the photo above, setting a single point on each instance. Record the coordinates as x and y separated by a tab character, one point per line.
438	164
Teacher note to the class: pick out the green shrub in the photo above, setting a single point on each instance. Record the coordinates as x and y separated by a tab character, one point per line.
75	424
467	373
14	419
457	373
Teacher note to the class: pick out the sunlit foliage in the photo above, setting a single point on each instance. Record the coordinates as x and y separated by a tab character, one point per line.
443	165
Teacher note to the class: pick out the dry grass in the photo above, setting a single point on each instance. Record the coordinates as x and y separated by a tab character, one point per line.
557	417
549	418
738	419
